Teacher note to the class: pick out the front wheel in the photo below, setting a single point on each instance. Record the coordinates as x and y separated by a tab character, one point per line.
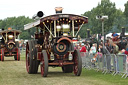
17	56
44	64
77	63
30	62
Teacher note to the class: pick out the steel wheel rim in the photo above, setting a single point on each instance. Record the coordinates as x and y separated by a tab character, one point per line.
76	64
42	66
27	58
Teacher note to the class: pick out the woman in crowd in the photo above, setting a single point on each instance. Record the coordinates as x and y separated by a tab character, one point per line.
83	49
93	49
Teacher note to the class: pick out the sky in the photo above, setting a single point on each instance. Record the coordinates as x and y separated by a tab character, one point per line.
11	8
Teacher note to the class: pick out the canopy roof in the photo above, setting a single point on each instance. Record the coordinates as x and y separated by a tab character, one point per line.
12	30
69	16
49	19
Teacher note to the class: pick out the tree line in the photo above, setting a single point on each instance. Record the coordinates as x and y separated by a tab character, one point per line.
18	24
116	20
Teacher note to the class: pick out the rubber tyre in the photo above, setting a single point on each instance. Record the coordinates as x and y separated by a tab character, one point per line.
77	63
44	64
35	50
30	62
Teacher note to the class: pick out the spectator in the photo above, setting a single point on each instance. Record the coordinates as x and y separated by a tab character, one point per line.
87	47
115	47
83	49
115	37
109	46
80	46
100	48
93	49
114	34
126	51
76	46
99	36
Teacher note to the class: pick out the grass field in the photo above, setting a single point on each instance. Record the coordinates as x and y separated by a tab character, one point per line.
14	73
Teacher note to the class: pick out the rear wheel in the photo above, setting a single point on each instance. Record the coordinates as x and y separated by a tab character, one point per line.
30	62
44	64
77	63
2	54
35	50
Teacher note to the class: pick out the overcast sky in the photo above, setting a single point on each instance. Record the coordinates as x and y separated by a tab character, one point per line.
11	8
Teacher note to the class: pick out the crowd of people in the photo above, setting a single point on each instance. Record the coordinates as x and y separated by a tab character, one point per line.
113	45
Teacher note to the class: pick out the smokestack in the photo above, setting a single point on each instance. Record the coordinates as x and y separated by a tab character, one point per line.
88	33
123	32
58	9
38	15
2	29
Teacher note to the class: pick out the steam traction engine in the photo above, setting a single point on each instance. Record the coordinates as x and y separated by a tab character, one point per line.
8	45
52	44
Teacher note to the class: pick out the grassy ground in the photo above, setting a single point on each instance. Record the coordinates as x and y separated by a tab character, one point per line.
14	73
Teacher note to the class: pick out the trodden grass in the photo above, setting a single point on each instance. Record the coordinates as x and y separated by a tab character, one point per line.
14	73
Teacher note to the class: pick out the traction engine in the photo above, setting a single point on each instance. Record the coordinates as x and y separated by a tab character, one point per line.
52	44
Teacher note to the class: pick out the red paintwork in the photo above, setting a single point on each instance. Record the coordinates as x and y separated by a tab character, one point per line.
39	55
60	63
10	52
1	54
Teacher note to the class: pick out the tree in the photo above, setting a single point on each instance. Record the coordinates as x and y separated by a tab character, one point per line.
104	8
126	9
119	21
17	23
126	15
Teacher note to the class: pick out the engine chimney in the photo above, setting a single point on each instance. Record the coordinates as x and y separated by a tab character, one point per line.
58	9
88	33
38	15
122	33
